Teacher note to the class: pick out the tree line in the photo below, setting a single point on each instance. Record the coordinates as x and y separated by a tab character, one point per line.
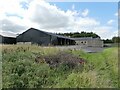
113	40
89	34
77	34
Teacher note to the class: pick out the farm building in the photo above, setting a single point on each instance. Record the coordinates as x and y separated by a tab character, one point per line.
35	36
89	42
7	40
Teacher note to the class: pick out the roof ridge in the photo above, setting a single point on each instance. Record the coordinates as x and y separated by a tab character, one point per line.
49	33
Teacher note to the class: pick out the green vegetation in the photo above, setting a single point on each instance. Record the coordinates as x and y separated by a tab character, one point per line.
116	39
90	34
82	34
113	40
21	70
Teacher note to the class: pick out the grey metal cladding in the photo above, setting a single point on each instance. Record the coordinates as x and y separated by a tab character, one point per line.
34	36
1	39
43	38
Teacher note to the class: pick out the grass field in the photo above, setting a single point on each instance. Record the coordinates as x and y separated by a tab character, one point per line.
19	69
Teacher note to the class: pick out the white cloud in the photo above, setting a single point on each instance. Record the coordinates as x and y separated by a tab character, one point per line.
44	16
52	17
8	33
11	7
47	16
104	31
12	24
85	12
87	21
116	33
116	14
110	22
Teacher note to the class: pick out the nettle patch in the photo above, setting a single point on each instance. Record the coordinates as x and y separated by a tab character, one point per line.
61	58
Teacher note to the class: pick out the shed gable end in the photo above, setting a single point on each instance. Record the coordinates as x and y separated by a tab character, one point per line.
34	36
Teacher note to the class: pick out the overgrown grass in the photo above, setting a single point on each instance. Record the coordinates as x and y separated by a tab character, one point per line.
105	64
21	70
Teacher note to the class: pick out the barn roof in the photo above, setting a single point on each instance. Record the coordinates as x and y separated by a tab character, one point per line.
85	38
7	36
60	36
52	34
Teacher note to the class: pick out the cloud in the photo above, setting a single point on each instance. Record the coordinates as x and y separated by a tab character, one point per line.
19	15
8	33
11	7
116	14
52	17
85	12
104	31
110	22
49	16
87	21
13	24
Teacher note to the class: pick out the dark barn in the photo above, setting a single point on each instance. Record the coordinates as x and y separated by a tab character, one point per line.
7	40
35	36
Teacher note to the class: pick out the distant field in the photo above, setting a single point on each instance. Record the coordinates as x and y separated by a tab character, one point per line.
21	70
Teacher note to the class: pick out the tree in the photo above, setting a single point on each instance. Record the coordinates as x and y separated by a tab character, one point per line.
108	41
82	34
116	39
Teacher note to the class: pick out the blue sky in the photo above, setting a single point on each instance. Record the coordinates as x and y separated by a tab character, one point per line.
99	17
99	10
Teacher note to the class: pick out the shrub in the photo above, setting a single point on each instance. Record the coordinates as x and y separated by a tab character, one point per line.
64	58
68	68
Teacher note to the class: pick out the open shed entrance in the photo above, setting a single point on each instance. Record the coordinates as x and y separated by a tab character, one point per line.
64	41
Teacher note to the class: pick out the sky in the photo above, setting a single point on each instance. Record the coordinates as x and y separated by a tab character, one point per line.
16	16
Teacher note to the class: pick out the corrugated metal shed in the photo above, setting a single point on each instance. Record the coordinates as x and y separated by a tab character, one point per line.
44	38
7	40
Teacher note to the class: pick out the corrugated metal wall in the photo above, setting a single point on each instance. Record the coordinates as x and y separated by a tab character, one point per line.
7	40
35	37
42	38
